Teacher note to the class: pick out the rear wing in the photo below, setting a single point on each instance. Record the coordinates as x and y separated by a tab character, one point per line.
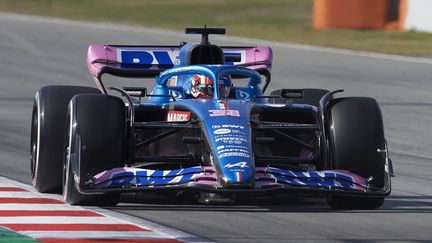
149	61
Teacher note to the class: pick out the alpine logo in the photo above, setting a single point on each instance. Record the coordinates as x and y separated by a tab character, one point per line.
178	116
239	164
242	94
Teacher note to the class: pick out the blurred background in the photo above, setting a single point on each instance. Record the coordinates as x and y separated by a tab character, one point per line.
400	27
40	51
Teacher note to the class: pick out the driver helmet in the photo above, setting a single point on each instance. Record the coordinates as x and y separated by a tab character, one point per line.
201	86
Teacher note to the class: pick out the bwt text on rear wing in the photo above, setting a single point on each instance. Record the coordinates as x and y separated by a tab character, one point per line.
150	61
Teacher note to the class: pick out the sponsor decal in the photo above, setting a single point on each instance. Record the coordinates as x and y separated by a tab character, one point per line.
147	57
178	116
233	154
154	177
233	150
195	175
233	134
224	113
236	147
242	95
231	140
221	131
239	164
227	126
316	178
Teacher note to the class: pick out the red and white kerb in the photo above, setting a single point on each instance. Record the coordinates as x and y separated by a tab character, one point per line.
50	220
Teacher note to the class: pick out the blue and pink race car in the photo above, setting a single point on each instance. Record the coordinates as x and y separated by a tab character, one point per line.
206	128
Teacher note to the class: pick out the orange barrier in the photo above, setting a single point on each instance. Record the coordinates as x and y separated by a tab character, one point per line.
403	11
358	14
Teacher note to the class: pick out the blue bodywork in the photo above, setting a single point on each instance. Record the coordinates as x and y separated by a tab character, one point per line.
225	121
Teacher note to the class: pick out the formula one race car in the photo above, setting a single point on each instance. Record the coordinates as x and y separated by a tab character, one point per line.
205	128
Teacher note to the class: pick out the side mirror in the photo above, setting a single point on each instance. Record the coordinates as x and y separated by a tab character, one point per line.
136	91
291	93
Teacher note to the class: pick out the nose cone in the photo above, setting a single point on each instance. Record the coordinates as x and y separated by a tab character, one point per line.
238	174
232	150
227	128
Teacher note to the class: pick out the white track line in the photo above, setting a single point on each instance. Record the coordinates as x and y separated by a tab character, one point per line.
95	234
53	207
58	220
18	194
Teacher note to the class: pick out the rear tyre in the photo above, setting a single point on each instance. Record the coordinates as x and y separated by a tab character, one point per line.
47	135
97	129
356	132
310	97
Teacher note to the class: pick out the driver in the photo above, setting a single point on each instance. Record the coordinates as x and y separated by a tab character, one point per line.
201	86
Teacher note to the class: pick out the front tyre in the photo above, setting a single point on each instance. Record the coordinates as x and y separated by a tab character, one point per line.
47	135
97	135
356	134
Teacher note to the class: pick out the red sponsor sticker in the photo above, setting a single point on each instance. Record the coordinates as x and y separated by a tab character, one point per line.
178	116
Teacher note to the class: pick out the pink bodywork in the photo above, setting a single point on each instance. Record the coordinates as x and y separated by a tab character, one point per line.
99	56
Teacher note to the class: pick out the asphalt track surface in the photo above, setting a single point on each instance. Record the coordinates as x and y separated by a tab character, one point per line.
35	52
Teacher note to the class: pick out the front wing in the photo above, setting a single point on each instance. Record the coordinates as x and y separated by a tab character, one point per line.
267	180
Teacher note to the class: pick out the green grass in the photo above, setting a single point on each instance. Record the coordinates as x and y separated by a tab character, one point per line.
278	20
9	236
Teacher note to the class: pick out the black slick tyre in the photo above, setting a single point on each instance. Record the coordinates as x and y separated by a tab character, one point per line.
47	135
356	133
95	143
